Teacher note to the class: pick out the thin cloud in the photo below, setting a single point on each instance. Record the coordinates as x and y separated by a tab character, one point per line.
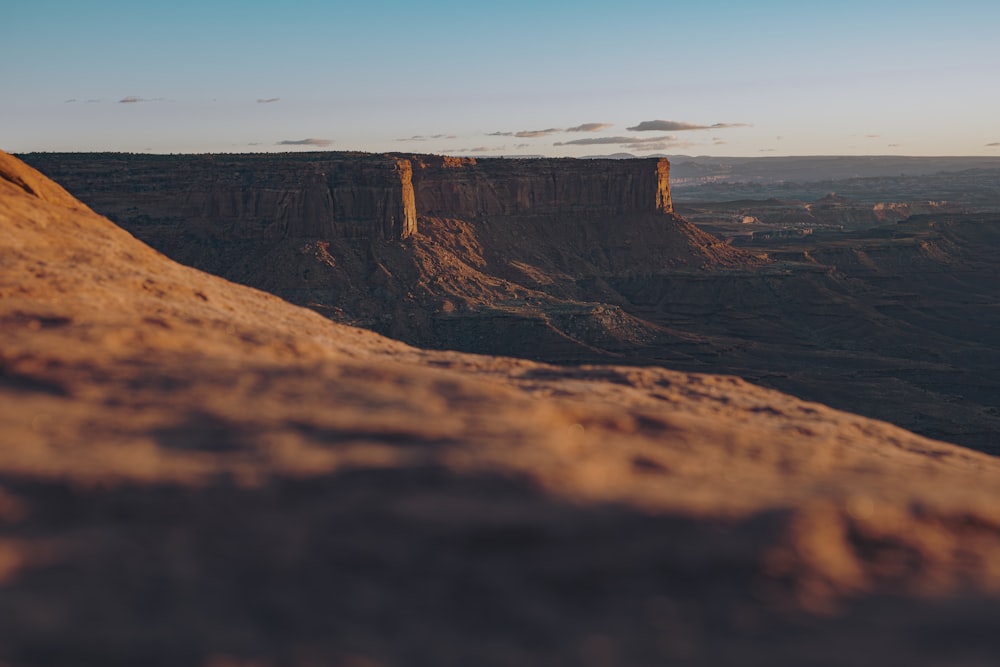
872	136
421	137
678	126
70	101
305	142
532	134
644	145
476	149
616	141
93	101
526	134
132	99
589	127
993	143
268	100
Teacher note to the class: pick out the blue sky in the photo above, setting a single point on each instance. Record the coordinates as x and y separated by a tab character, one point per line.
552	78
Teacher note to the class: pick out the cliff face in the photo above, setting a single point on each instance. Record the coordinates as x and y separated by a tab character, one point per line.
248	196
178	447
581	261
322	229
464	188
352	196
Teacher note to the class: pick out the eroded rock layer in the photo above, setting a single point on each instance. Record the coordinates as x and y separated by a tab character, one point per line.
346	195
197	473
574	261
468	188
251	196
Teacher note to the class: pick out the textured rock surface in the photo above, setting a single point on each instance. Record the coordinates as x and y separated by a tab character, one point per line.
490	236
468	188
484	227
194	472
345	195
252	196
898	322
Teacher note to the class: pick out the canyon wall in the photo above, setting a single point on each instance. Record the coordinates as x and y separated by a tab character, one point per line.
339	195
581	261
468	188
194	473
350	195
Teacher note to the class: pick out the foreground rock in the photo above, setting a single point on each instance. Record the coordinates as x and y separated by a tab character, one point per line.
194	472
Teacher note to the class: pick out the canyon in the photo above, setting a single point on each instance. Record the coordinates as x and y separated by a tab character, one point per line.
880	307
198	472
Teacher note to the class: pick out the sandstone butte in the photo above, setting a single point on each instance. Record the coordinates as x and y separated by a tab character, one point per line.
194	472
421	247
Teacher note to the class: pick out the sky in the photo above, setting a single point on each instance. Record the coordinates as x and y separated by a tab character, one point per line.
555	78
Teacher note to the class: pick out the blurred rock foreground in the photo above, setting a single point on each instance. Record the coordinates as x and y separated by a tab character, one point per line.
195	472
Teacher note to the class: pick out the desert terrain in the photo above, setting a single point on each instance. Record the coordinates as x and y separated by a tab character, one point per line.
196	472
867	284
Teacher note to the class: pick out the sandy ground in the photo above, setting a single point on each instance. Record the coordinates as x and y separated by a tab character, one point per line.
194	472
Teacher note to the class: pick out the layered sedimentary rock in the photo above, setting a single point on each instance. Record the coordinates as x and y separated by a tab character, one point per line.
323	230
354	196
248	196
197	473
573	261
463	188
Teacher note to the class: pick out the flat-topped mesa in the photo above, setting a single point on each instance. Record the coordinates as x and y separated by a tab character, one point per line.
358	198
323	197
469	188
351	195
316	195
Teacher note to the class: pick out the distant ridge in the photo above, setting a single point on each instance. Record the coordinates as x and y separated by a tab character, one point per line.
819	167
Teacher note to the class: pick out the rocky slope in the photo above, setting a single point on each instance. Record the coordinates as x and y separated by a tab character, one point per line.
495	242
484	232
575	261
353	196
195	472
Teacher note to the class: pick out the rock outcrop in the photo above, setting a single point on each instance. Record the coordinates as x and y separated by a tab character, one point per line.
573	261
468	188
478	236
354	196
322	229
194	472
